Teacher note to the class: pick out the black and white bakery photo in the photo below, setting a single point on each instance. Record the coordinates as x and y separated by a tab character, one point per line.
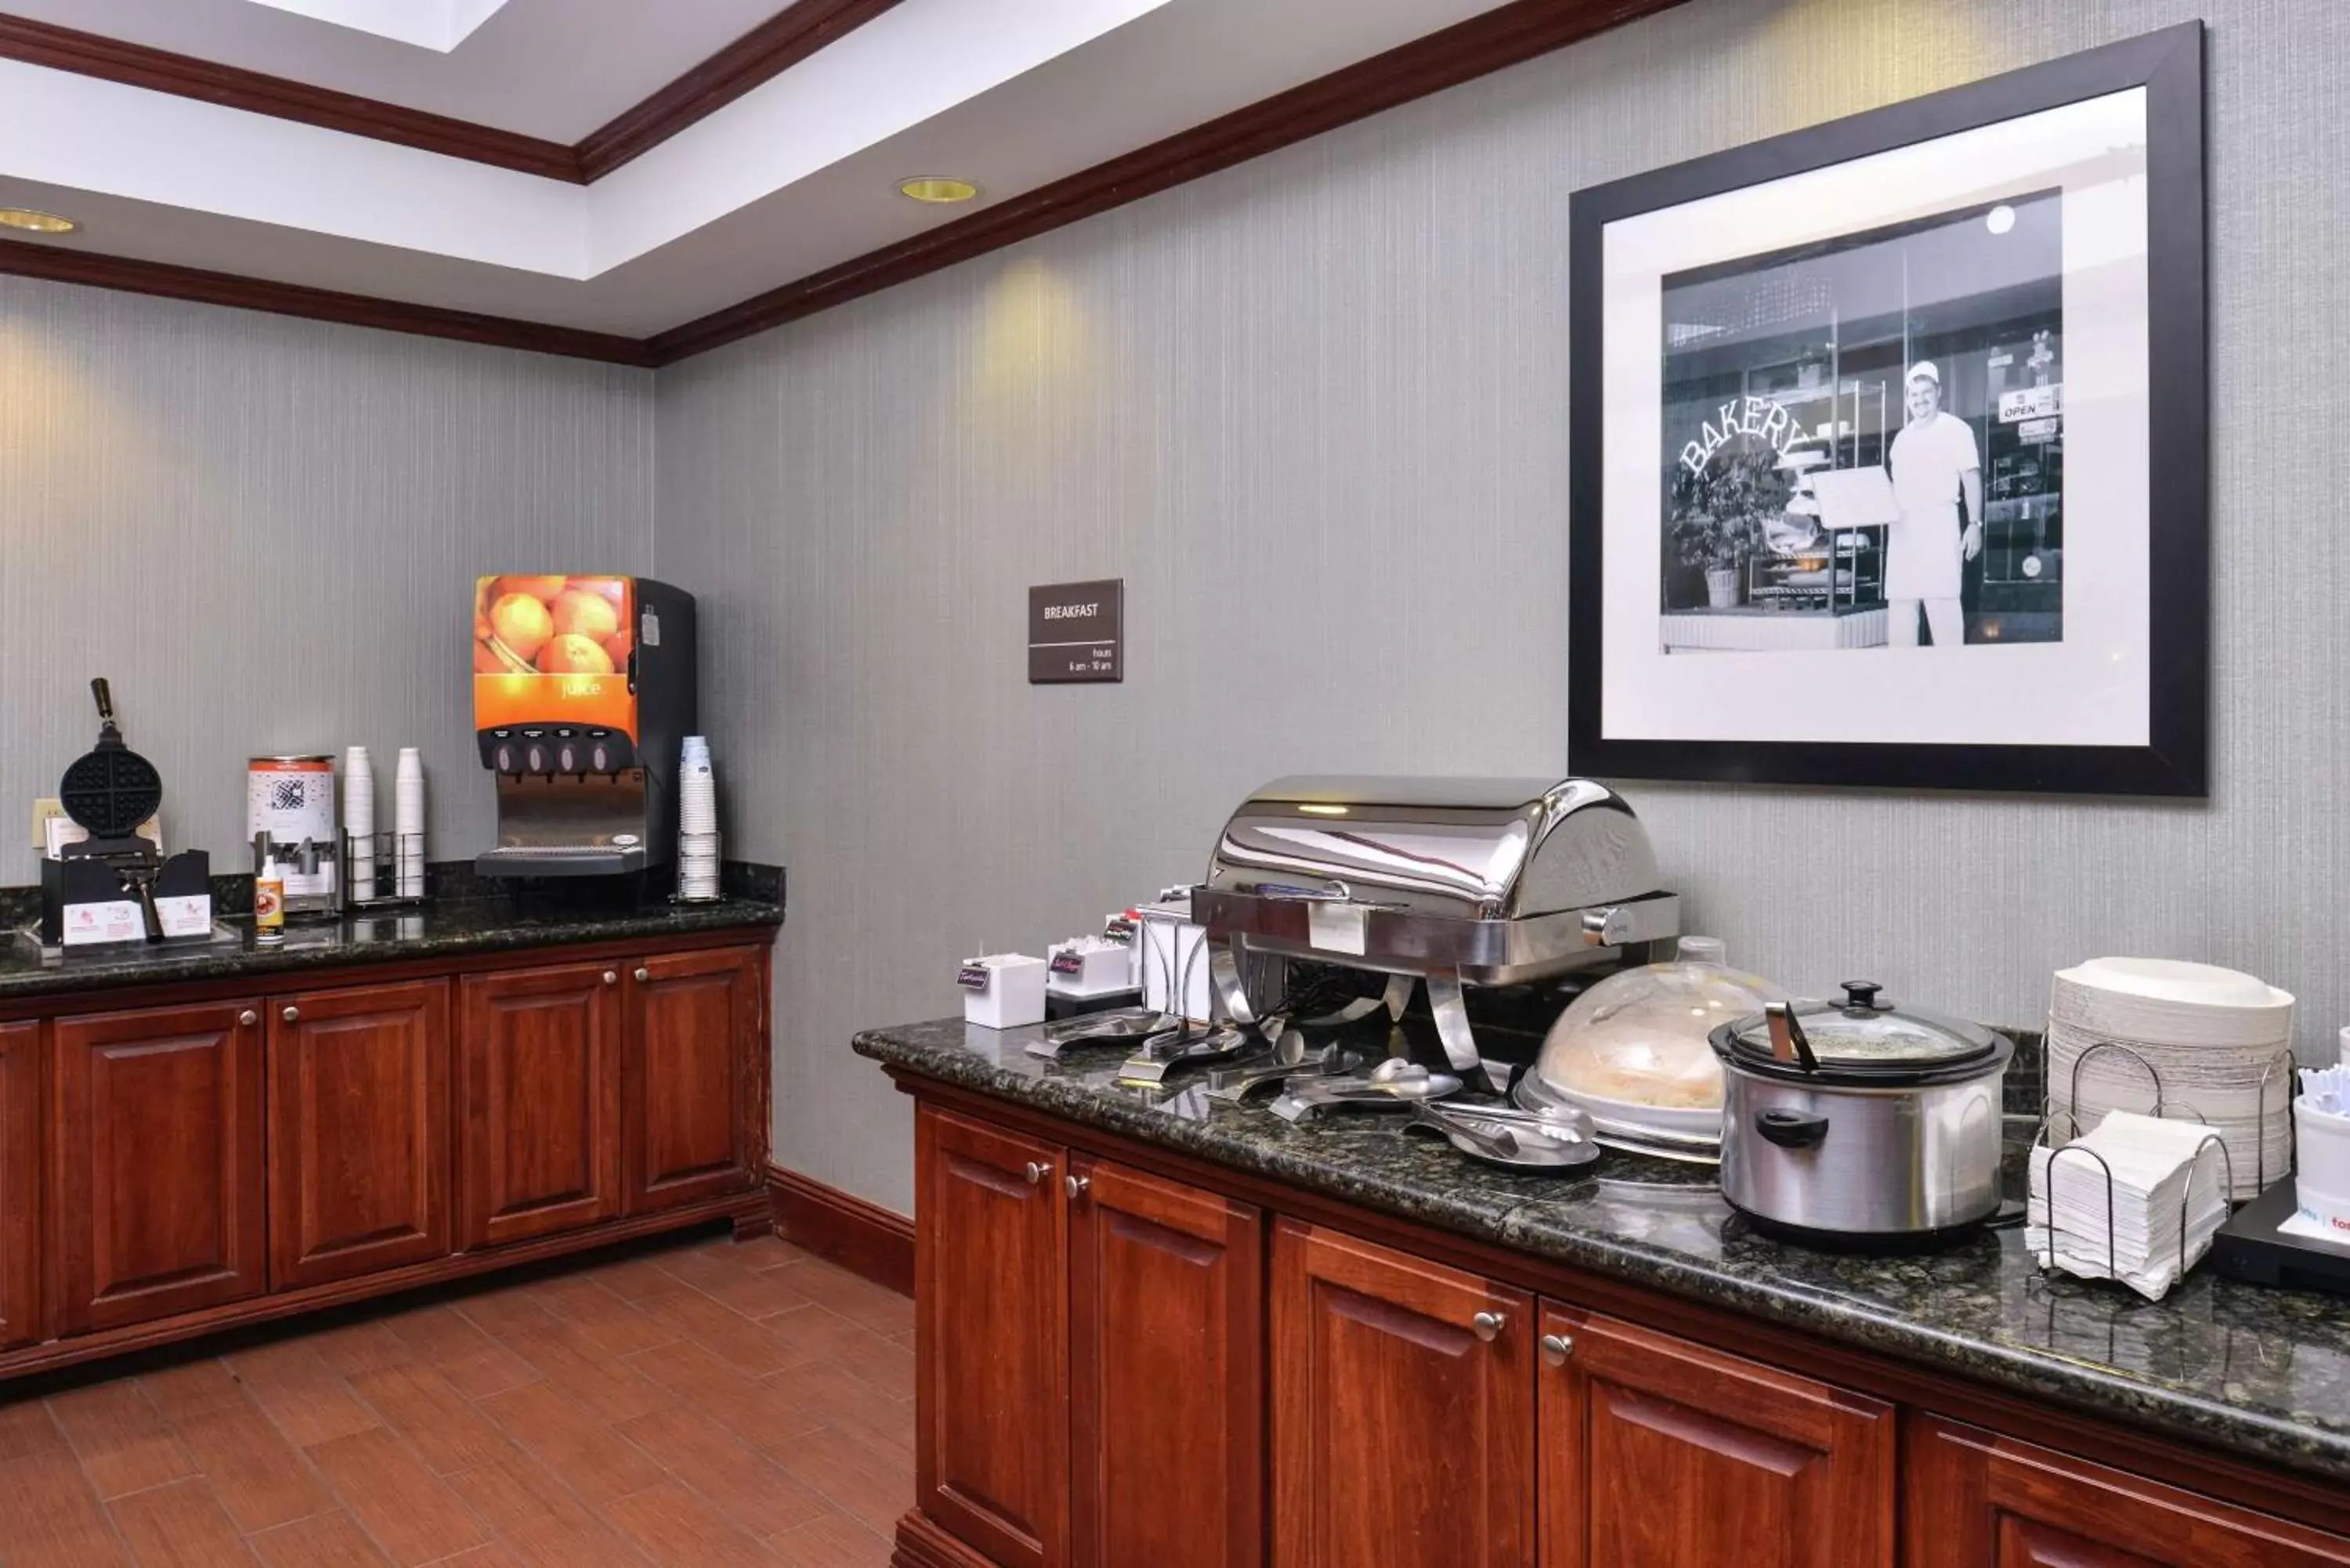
1864	439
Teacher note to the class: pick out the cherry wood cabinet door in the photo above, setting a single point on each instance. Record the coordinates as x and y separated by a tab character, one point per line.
991	1341
1659	1453
359	1131
1973	1500
685	1094
20	1180
1403	1410
538	1118
1166	1374
157	1155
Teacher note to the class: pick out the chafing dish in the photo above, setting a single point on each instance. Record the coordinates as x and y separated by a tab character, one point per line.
1451	881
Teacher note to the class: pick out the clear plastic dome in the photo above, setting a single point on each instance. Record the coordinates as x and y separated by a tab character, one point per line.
1639	1039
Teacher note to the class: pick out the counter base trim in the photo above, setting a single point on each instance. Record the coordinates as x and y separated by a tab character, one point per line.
864	1238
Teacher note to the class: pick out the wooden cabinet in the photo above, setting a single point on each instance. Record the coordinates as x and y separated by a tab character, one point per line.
1403	1410
688	1077
1093	1363
359	1131
1977	1500
1762	1469
1166	1374
157	1162
991	1436
538	1133
20	1183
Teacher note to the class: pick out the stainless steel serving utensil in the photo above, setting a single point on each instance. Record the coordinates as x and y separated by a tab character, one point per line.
1163	1053
1519	1139
1237	1081
1394	1084
1119	1025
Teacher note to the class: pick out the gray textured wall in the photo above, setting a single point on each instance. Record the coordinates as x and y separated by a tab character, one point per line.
1312	409
265	532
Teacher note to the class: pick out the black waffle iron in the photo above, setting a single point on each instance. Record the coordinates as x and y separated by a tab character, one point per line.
109	792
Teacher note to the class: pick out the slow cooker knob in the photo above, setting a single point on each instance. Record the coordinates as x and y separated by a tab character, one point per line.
1861	994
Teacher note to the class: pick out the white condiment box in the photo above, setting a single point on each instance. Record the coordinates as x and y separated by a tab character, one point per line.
1086	967
1003	990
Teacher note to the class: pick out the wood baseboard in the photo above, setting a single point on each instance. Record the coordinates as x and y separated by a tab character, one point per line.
921	1544
863	1238
746	1209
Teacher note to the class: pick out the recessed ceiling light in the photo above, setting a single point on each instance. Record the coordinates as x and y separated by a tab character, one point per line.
930	187
38	223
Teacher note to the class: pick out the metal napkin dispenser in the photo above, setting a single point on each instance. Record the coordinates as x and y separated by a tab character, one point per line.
1452	880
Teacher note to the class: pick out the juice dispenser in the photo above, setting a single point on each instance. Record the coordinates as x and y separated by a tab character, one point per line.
582	694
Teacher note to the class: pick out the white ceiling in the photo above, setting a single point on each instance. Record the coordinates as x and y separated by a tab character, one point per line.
796	176
555	68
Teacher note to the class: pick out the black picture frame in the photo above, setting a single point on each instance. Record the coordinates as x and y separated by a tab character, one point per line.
2168	65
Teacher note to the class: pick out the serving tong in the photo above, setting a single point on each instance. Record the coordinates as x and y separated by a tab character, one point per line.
1235	1083
1394	1084
1504	1135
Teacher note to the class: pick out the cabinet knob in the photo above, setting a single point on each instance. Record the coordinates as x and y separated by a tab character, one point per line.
643	975
1076	1186
611	977
1037	1173
248	1018
1487	1325
1556	1348
292	1016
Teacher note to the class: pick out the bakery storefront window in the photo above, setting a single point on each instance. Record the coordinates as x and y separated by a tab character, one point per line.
1864	439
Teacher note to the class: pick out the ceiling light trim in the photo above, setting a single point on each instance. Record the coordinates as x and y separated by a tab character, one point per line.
436	24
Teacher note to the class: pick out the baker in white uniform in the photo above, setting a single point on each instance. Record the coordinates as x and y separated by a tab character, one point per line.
1935	465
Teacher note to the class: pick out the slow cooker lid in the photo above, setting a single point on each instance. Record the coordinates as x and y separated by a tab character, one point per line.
1864	1037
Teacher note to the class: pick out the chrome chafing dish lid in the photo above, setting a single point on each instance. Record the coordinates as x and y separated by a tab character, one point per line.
1496	879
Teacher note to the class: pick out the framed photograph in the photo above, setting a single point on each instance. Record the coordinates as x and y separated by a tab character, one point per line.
1889	445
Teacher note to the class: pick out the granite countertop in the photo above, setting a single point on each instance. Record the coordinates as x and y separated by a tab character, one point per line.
466	918
2264	1374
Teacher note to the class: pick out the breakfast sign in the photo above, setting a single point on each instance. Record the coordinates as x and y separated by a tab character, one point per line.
1076	631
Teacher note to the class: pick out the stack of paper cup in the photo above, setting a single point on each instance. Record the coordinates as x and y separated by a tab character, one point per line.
697	823
408	823
358	820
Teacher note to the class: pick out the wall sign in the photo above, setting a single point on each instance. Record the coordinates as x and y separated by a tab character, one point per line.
1076	631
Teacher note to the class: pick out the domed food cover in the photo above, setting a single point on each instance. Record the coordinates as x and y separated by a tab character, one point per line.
1635	1049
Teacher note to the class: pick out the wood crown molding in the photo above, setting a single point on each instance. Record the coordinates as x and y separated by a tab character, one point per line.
863	1238
1507	36
765	52
159	70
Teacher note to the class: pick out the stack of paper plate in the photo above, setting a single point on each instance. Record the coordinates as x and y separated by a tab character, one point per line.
2221	1043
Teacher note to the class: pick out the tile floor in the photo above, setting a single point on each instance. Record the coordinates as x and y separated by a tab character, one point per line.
706	1404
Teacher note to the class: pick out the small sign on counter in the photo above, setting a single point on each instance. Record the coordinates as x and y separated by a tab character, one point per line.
1076	631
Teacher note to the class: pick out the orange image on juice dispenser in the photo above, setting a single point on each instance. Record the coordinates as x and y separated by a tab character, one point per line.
554	646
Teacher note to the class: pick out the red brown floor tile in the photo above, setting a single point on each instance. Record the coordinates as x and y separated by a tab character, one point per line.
296	1387
122	1444
323	1541
836	1541
262	1480
408	1512
746	1486
180	1525
440	1423
53	1518
708	1404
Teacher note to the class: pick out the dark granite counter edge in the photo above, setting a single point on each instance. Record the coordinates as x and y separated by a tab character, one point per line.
196	965
2080	1386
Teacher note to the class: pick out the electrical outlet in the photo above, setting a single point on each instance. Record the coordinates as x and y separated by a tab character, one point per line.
44	810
